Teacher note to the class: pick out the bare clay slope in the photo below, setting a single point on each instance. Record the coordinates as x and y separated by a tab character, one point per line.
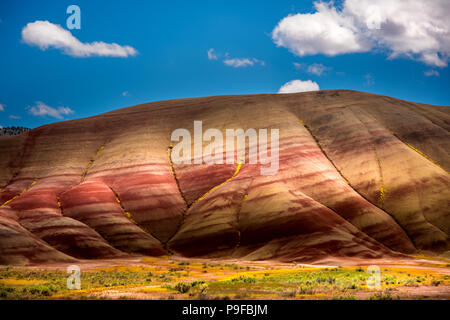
360	175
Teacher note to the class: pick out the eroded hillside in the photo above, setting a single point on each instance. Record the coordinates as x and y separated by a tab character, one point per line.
360	175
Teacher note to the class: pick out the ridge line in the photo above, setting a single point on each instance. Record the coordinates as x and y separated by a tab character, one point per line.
360	194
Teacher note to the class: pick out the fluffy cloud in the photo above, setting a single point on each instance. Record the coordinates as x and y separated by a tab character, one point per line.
44	35
125	94
212	55
2	107
412	28
14	117
326	31
242	62
41	109
299	86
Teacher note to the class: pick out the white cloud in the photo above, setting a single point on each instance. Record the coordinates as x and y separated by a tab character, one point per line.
369	79
14	117
411	28
212	55
41	109
125	93
431	73
44	35
298	65
242	62
299	86
326	31
315	68
234	62
2	107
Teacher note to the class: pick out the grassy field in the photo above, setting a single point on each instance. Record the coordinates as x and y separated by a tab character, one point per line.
163	278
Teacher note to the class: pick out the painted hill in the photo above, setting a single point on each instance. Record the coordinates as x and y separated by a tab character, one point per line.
360	175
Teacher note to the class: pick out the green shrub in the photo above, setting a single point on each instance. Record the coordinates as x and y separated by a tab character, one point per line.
244	279
347	297
305	290
197	283
381	296
182	287
435	283
289	293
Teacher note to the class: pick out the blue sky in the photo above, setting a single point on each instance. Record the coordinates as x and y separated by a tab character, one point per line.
172	40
